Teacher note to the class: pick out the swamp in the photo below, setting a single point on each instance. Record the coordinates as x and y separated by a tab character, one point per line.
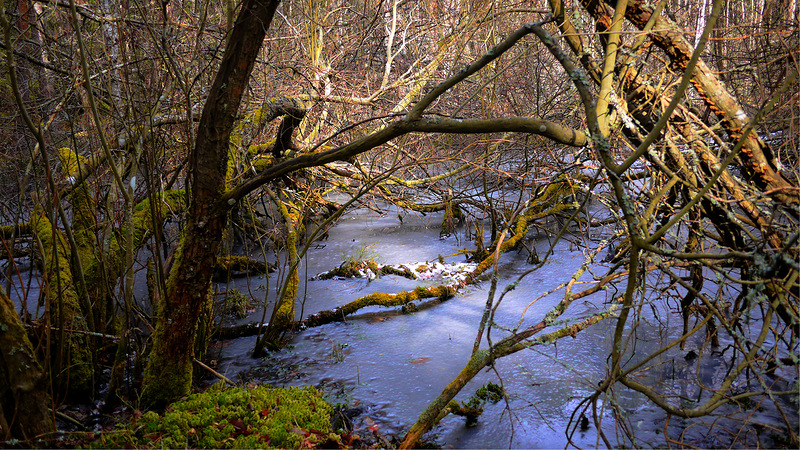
398	224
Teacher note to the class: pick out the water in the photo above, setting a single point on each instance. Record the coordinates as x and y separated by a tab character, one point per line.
391	365
388	366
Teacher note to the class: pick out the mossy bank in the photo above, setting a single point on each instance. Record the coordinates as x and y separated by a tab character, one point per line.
221	417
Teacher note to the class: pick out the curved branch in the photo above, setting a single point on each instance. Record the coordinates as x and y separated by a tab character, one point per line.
403	126
532	125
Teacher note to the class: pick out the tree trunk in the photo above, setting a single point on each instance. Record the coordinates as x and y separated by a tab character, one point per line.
72	370
758	160
26	405
283	314
168	374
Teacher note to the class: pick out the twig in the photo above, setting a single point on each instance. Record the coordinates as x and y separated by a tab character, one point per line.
216	374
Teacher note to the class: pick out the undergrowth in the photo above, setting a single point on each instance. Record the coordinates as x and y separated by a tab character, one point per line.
232	418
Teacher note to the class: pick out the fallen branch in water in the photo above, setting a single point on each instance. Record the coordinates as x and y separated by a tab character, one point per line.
214	372
378	299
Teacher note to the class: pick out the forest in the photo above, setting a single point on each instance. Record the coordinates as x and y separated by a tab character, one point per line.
583	211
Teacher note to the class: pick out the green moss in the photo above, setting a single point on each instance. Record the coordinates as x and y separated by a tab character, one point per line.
83	205
205	322
285	314
490	393
76	371
263	163
233	418
401	298
284	317
20	229
473	408
257	150
403	272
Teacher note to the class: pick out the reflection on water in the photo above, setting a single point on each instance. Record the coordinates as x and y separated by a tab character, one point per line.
388	366
391	365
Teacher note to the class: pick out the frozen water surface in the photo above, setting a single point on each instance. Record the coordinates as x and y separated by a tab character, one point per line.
388	366
391	365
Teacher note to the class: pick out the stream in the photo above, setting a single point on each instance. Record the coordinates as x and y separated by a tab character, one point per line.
386	366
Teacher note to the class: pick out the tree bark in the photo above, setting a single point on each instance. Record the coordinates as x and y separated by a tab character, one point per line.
757	159
168	374
72	370
25	404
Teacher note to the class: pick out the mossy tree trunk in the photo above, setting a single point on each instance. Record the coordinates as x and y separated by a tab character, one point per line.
168	374
283	315
72	362
25	403
143	226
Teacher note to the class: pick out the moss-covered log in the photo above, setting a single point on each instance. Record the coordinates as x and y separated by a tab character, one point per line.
351	269
358	269
400	271
379	299
20	229
25	403
240	264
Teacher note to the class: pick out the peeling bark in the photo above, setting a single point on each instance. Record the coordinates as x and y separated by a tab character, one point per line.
757	159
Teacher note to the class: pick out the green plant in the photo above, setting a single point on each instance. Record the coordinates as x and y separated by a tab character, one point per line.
364	252
491	392
237	304
473	408
220	417
338	352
